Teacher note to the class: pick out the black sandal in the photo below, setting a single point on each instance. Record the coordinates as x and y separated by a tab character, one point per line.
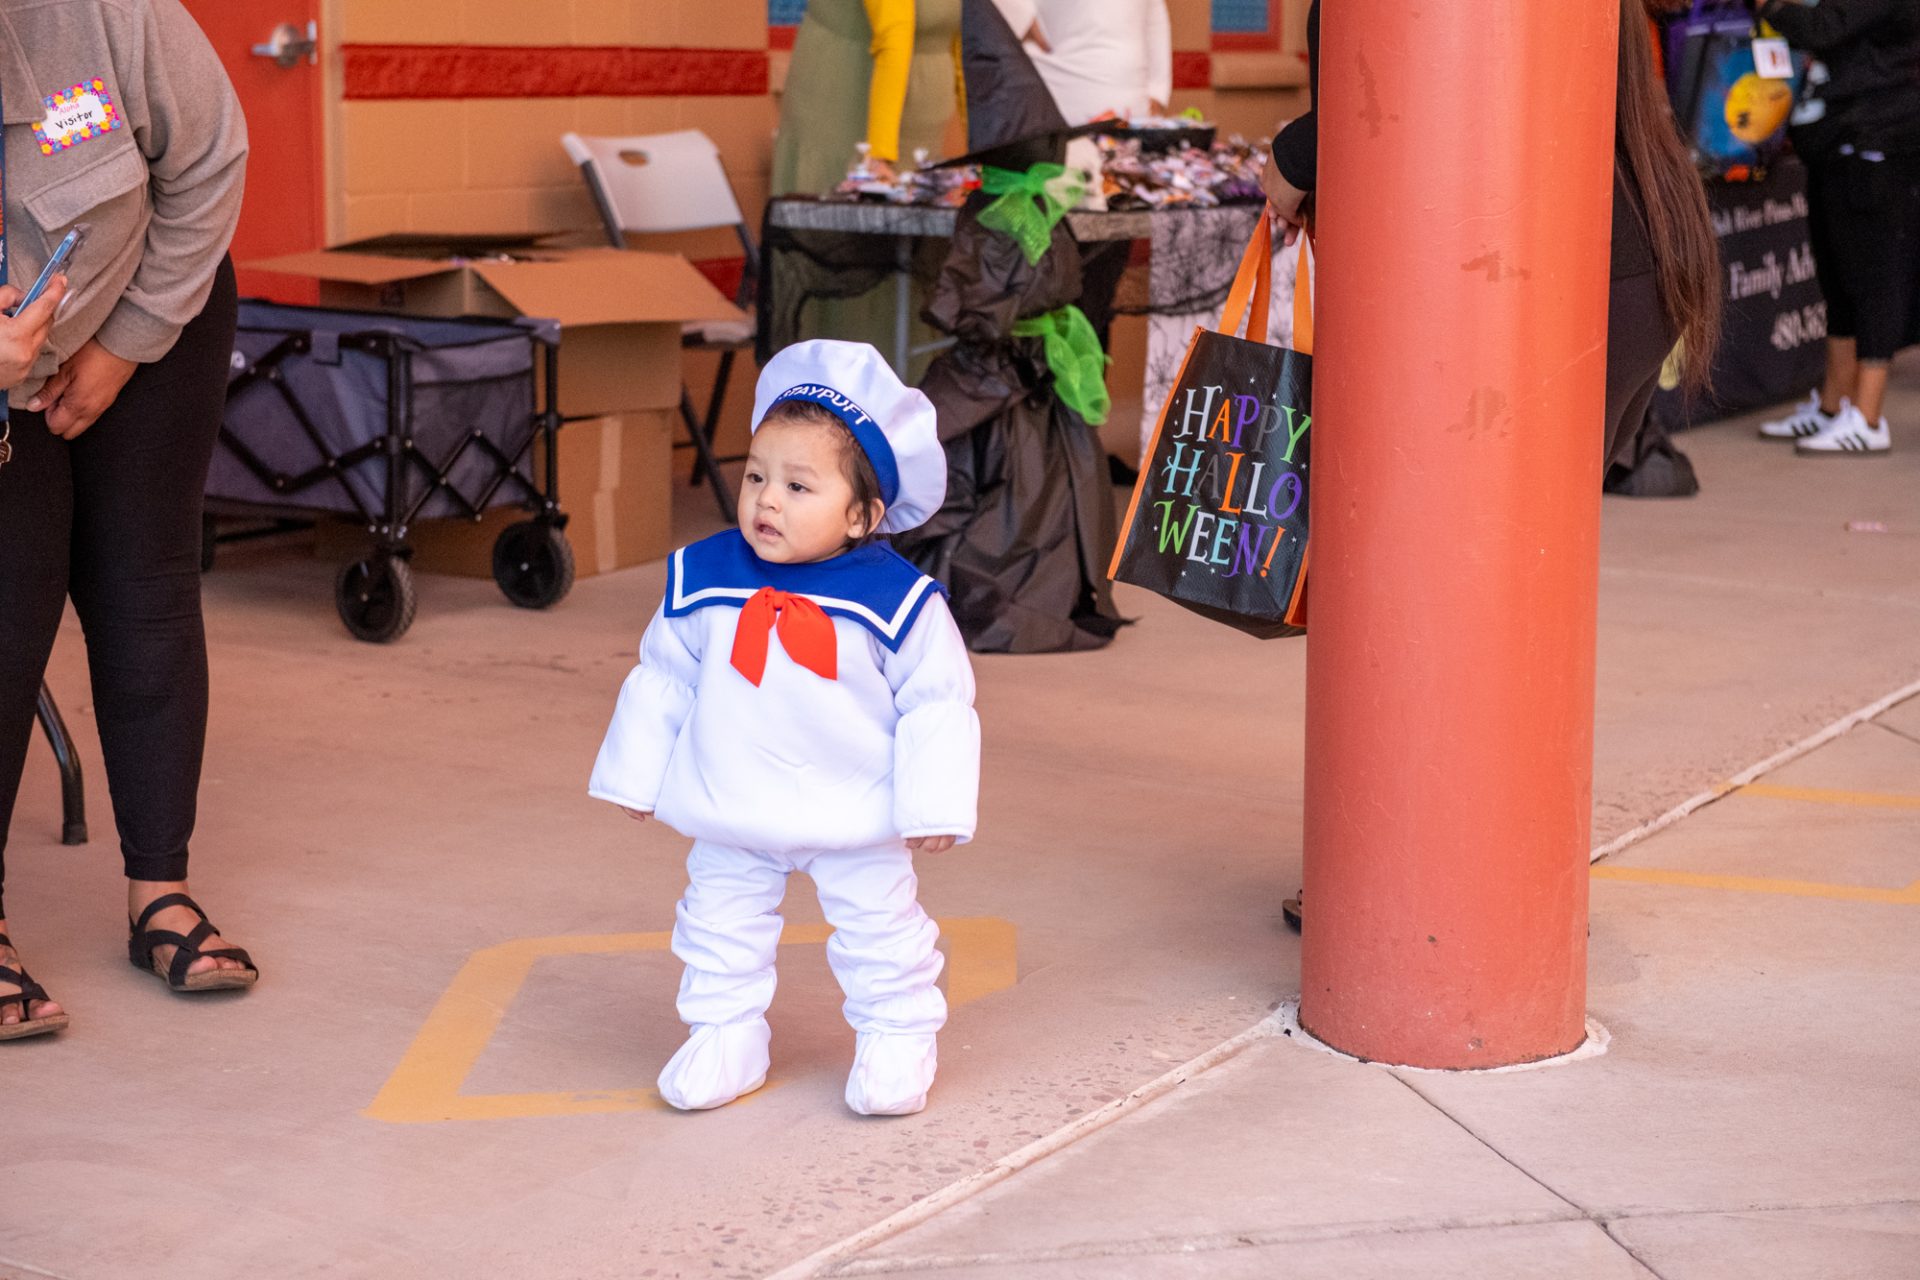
29	992
142	941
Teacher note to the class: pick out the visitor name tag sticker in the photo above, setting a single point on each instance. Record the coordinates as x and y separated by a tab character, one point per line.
1773	59
76	115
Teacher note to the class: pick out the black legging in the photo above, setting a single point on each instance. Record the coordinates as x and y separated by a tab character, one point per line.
113	519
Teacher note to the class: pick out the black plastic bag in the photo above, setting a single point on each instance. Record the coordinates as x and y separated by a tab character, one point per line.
1023	539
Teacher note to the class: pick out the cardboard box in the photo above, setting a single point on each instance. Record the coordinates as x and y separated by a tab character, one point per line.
614	488
620	311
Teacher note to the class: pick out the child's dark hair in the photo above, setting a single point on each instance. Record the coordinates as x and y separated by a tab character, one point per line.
854	463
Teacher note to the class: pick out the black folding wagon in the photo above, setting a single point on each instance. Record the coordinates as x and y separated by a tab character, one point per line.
389	420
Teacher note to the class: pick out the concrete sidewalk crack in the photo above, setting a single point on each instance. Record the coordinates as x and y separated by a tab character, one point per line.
1731	1211
1170	1246
1527	1173
1630	1251
1898	733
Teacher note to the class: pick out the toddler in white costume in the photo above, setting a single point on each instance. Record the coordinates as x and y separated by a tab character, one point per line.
840	750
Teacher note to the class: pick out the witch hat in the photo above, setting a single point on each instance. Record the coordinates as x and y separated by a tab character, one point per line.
1012	119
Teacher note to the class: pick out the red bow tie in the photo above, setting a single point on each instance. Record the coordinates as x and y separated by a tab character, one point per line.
806	633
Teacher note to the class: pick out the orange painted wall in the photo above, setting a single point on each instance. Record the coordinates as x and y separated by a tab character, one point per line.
487	163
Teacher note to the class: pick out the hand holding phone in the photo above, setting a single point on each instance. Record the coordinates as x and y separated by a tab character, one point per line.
25	330
57	265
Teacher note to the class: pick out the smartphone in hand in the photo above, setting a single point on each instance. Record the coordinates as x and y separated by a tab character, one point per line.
62	258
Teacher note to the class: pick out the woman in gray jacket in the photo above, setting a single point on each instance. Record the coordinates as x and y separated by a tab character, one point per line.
117	115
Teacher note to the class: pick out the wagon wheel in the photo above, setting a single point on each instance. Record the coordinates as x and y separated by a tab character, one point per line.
533	564
375	598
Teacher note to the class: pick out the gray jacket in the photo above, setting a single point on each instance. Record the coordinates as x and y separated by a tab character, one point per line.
117	113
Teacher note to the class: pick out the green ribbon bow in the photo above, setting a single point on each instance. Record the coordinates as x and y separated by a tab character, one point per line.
1031	204
1073	353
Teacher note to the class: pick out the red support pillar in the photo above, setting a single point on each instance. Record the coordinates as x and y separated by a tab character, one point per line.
1459	384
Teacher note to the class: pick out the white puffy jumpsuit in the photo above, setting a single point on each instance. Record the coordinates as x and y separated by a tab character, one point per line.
800	773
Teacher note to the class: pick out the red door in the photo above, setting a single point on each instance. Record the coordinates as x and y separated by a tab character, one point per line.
285	208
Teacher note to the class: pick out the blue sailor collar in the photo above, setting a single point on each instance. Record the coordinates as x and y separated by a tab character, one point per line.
873	586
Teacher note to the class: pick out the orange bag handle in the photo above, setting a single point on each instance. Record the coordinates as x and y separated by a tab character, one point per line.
1252	284
1303	298
1253	290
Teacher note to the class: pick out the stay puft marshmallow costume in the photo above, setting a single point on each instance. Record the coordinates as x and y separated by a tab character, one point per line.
824	753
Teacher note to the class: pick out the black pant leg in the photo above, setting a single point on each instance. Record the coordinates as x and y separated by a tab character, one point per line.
139	477
36	518
1639	339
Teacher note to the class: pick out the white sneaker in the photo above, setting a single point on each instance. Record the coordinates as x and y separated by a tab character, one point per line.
1848	432
717	1064
1805	420
891	1074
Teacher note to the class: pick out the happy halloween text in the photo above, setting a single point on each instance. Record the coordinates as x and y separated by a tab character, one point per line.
1228	479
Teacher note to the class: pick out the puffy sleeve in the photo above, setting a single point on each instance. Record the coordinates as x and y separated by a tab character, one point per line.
188	125
654	703
936	746
1159	53
892	22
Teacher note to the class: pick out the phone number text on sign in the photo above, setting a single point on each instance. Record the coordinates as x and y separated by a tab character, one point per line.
1794	329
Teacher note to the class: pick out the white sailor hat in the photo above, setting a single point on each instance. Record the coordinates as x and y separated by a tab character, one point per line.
894	424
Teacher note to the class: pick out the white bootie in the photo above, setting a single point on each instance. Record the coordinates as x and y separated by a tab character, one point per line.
717	1064
891	1074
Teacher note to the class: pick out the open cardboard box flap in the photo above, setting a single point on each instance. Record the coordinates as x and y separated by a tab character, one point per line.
574	286
607	286
349	267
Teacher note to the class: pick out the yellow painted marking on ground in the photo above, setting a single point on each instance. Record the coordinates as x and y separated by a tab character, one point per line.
1817	795
1909	896
982	958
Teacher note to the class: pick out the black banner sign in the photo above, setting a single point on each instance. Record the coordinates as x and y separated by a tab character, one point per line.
1773	346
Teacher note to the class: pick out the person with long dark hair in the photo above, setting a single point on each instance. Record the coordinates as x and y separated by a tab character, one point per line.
1858	130
1666	259
1666	265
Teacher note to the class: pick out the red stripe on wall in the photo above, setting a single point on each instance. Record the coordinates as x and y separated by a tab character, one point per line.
1192	70
489	71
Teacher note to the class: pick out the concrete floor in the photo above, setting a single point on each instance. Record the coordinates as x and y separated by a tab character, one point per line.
445	1070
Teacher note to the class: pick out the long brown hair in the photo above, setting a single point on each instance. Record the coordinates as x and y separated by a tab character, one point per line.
1686	254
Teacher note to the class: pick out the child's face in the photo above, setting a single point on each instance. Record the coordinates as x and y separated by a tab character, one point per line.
796	506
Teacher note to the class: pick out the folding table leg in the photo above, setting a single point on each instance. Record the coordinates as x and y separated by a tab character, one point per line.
73	796
715	406
704	447
903	308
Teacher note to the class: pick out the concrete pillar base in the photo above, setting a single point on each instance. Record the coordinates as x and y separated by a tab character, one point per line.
1287	1019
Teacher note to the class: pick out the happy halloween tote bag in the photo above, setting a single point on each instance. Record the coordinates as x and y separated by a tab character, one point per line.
1218	520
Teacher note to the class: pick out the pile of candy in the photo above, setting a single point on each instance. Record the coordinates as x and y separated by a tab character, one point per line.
1135	176
918	185
1138	179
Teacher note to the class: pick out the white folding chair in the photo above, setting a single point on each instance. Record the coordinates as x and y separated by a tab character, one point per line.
657	183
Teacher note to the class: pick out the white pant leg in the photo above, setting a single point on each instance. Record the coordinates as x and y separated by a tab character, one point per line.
883	948
727	932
